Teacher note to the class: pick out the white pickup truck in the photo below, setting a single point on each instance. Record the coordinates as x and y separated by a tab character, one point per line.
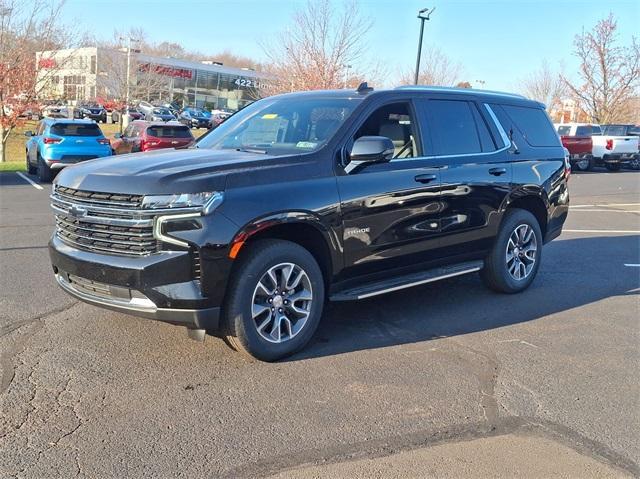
612	149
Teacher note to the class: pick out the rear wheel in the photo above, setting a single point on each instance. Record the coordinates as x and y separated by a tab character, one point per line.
275	300
45	174
30	169
612	166
584	164
515	258
634	164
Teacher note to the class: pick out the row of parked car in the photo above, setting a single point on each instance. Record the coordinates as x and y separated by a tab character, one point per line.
190	116
60	142
611	146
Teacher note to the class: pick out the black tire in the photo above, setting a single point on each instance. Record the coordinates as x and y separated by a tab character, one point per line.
613	166
495	273
238	326
45	175
30	169
584	164
634	164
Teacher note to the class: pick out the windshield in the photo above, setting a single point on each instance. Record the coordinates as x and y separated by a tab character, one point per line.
281	126
161	111
75	129
173	131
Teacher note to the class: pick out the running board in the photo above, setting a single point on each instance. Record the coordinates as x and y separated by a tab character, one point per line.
395	284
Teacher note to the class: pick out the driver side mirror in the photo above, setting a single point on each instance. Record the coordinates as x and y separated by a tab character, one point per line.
370	149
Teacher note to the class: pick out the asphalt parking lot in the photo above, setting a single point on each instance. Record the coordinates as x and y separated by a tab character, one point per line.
445	380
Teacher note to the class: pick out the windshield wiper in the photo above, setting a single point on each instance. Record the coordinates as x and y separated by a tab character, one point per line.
252	150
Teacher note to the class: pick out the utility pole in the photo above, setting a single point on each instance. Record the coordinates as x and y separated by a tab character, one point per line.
422	15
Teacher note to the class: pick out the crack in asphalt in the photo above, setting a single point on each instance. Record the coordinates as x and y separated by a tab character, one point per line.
484	366
6	358
23	247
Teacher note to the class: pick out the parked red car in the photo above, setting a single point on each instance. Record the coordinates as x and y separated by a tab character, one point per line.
577	139
147	135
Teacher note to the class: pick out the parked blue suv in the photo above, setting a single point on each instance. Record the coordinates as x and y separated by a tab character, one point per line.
59	142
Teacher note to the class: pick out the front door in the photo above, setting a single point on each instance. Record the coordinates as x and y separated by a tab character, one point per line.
390	211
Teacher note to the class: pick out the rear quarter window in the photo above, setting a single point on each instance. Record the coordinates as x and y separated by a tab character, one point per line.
583	131
75	129
534	125
169	131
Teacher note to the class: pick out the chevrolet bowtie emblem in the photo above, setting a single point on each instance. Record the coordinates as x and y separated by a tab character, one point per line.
78	211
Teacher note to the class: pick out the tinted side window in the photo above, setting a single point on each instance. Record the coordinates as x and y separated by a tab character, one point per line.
486	141
453	128
534	125
564	130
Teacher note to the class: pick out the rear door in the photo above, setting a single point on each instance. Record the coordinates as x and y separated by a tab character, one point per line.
476	172
390	211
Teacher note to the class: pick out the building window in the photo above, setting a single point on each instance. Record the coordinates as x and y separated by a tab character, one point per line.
93	64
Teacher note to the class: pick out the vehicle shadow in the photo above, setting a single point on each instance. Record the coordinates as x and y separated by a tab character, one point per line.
571	275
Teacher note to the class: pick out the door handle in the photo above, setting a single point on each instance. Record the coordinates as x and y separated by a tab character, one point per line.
497	171
425	178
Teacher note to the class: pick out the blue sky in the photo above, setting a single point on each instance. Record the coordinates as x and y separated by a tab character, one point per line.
497	42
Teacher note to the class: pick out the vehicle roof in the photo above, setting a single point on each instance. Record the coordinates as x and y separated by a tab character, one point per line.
487	95
157	123
68	120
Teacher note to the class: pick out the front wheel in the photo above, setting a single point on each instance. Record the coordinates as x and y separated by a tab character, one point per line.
513	263
275	300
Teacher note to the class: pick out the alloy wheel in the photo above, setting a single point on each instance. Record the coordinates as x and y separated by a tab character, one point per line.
281	302
522	251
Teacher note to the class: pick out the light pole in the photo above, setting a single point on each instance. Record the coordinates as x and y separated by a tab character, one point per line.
422	15
346	75
129	40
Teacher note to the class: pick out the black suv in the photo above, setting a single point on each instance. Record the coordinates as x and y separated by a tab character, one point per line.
91	111
307	197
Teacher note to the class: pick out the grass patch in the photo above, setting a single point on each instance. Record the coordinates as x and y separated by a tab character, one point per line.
10	166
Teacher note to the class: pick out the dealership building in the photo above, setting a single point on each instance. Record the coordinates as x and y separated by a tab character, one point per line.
88	73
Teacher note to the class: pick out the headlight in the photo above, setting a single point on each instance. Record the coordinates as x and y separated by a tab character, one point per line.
207	201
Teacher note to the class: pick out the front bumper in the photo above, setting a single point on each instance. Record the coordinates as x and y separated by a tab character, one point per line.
159	286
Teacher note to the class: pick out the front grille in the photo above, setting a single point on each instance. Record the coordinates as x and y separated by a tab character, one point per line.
109	223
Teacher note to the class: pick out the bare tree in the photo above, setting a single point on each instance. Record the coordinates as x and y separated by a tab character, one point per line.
436	68
609	72
27	27
546	86
322	49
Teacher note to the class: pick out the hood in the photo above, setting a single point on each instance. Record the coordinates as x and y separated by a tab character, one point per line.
165	171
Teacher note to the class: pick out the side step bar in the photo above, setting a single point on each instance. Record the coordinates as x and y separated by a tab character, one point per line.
415	279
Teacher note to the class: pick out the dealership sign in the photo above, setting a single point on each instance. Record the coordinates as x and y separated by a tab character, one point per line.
47	63
165	70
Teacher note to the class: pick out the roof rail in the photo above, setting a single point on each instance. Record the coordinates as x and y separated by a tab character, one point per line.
460	90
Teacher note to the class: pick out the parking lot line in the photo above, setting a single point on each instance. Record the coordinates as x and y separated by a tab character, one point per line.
604	204
29	180
631	265
605	210
631	232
